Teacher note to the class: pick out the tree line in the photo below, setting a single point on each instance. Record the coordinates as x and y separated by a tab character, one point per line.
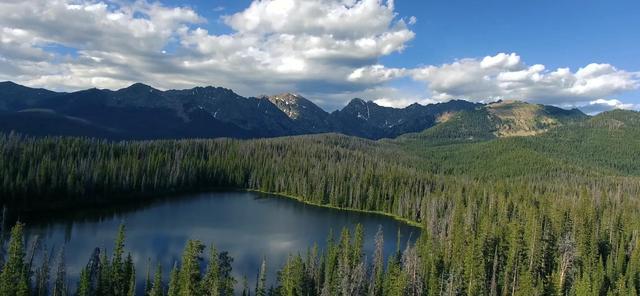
341	269
554	214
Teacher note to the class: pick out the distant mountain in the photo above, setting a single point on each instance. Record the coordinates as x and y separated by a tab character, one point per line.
143	112
514	118
498	120
305	114
14	96
369	120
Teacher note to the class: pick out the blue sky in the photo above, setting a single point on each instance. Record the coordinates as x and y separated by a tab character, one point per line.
394	53
558	33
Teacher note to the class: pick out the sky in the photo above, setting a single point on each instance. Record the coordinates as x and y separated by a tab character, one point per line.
568	53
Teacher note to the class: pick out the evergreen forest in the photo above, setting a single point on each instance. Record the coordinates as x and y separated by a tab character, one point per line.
549	214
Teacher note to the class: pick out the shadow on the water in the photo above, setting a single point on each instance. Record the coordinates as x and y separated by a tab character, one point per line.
249	225
99	212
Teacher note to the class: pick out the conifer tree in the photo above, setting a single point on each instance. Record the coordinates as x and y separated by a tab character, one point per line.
261	282
13	272
118	274
245	286
84	286
211	281
41	287
174	286
227	282
60	284
189	275
157	289
375	286
132	283
129	273
104	279
147	279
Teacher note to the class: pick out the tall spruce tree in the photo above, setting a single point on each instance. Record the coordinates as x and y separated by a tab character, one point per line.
211	281
261	281
189	275
13	272
157	288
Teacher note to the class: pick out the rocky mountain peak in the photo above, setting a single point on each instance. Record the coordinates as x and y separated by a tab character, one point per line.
294	105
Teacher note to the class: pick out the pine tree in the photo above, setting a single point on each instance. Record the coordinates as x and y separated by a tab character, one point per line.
84	286
291	277
189	275
147	280
23	285
132	283
41	287
394	280
227	282
118	275
261	283
104	280
157	289
13	271
211	281
245	286
129	273
174	285
375	286
60	283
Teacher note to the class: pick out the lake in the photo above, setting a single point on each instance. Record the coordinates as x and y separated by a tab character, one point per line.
248	225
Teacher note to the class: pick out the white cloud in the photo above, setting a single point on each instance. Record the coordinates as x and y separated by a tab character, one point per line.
324	49
601	105
375	74
505	76
501	61
341	19
402	102
384	95
279	45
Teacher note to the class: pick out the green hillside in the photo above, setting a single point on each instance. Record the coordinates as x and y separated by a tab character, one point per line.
553	213
607	144
496	120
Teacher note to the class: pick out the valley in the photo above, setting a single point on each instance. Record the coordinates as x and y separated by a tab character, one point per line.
319	148
492	188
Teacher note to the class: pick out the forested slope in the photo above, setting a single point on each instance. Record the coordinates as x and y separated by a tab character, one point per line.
554	213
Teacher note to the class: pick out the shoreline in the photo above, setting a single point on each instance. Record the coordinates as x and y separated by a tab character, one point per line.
299	199
143	198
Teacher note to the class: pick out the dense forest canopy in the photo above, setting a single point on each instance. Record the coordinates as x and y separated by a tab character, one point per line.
555	213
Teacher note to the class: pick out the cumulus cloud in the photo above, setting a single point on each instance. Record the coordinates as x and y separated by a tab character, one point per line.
402	102
506	76
601	105
306	46
329	50
375	74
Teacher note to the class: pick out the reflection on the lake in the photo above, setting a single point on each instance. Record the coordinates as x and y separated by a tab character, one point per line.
248	225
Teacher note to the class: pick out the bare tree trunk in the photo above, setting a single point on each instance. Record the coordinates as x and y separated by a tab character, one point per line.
494	284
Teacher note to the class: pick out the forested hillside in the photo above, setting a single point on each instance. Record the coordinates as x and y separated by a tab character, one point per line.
552	214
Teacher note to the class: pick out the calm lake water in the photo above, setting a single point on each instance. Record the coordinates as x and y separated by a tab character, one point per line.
248	225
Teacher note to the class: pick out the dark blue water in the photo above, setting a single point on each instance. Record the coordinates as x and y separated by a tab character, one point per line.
247	225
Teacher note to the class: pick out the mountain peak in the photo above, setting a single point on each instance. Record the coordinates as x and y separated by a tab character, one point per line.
296	106
8	83
138	86
358	101
285	97
519	118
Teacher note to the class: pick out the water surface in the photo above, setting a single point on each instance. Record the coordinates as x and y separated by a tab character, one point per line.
246	224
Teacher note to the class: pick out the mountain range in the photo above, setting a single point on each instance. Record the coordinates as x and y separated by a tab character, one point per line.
143	112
